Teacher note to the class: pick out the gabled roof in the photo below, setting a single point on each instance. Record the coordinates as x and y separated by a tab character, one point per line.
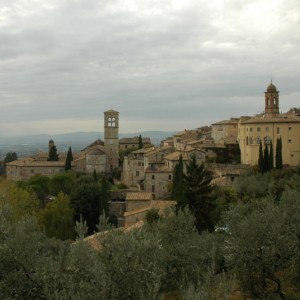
36	163
157	150
232	121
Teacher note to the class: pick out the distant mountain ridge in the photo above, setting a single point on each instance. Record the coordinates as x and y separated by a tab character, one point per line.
76	137
26	145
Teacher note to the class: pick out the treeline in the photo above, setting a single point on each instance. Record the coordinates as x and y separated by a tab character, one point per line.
59	202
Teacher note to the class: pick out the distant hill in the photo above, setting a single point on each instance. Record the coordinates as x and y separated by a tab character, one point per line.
30	144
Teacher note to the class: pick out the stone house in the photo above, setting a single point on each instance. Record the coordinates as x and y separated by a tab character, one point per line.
224	129
134	167
158	178
25	168
131	143
181	138
93	158
137	205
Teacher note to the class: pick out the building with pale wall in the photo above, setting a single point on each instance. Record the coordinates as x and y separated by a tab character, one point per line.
267	128
222	130
25	168
131	143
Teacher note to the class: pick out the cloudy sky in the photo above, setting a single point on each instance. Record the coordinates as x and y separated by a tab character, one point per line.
163	64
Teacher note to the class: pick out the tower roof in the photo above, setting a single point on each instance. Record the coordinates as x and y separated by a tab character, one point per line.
271	87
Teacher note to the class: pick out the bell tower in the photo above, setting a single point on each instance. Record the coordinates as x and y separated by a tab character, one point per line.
272	100
111	139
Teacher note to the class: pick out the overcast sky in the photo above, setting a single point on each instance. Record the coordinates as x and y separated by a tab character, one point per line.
163	64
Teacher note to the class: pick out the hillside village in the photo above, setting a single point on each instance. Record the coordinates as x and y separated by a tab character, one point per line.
227	148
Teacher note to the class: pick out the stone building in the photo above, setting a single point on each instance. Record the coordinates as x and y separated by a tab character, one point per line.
222	130
133	143
158	178
267	128
134	167
25	168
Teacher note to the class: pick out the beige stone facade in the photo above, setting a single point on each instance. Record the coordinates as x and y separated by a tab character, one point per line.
225	129
268	128
134	167
24	169
131	143
157	180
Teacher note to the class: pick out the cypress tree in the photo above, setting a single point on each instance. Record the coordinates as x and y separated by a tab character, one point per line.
266	158
69	159
271	158
141	145
178	184
261	165
278	153
53	156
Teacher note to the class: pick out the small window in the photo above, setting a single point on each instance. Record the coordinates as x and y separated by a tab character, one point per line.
251	140
258	140
267	129
278	130
153	176
153	188
231	178
290	128
247	129
290	141
137	173
251	129
170	177
247	140
258	129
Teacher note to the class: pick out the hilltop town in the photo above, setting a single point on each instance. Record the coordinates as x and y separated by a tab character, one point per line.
227	148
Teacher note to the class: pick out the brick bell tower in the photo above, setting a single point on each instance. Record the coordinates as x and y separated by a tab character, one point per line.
111	139
271	100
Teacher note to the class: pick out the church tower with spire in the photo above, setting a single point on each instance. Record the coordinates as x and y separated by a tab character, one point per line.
271	100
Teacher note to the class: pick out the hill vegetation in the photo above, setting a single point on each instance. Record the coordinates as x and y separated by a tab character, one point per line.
253	252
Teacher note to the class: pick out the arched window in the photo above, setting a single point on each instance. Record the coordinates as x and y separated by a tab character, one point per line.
267	140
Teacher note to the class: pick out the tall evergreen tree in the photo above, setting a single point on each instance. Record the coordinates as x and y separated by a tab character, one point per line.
198	195
278	154
53	156
141	145
69	160
178	183
10	156
271	158
266	158
261	164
